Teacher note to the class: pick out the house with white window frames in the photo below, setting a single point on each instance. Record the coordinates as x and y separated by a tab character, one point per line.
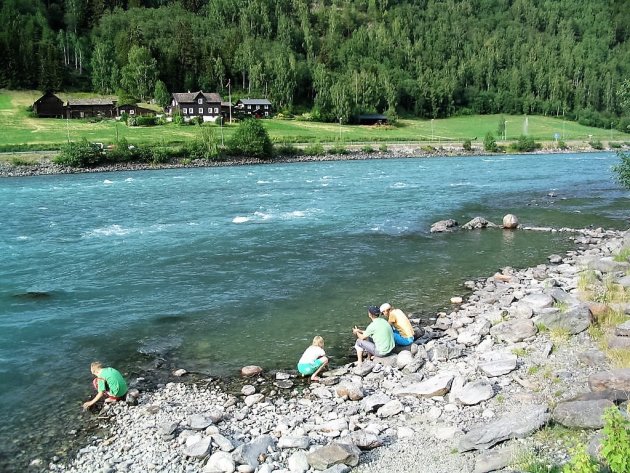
201	104
258	108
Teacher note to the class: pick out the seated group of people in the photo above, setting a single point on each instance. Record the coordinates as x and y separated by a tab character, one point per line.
378	339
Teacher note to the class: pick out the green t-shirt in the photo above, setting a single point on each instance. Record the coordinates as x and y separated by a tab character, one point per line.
116	384
382	334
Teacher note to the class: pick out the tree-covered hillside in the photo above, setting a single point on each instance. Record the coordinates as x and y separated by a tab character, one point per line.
430	58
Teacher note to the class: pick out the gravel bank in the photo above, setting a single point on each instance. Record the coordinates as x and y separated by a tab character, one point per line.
416	411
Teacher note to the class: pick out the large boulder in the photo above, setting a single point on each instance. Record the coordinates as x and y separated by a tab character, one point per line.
574	320
444	226
477	223
510	221
538	301
519	424
617	379
581	414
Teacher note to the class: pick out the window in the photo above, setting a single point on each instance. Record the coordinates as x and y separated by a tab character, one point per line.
266	114
249	107
266	107
216	109
132	111
209	111
184	111
201	110
199	101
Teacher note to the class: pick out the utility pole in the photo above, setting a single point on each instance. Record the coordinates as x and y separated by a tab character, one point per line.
230	97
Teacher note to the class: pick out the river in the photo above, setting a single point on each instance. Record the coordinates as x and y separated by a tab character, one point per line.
211	269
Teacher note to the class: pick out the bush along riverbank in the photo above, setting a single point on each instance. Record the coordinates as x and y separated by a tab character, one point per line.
89	158
529	372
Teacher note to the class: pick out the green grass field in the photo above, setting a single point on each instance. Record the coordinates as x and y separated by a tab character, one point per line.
18	128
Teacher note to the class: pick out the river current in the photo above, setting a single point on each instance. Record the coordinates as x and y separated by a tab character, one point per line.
212	269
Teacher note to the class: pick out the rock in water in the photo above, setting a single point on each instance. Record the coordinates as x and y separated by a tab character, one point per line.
510	221
251	370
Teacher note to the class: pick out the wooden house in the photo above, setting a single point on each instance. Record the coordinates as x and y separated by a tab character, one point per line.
201	104
258	108
49	106
85	108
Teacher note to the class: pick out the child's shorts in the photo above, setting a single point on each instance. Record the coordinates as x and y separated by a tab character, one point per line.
309	368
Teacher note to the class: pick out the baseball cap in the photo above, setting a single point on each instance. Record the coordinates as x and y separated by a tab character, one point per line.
372	309
385	307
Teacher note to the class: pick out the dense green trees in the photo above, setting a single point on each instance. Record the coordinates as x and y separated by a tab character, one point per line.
430	58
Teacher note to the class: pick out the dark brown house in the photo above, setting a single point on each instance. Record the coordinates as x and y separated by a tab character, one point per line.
86	108
258	108
201	104
49	106
372	119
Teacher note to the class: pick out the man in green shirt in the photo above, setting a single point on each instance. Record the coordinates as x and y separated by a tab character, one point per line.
377	339
108	382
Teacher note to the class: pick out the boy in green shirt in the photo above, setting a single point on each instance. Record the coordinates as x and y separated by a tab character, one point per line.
108	382
377	339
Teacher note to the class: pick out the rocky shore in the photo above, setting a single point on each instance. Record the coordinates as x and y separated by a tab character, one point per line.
45	166
512	359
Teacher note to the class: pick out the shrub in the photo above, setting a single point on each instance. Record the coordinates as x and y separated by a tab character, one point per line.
562	145
614	145
314	149
20	162
178	118
160	155
616	443
596	144
81	154
383	148
251	139
525	144
196	121
622	170
367	149
204	147
489	143
581	462
287	149
338	149
467	145
120	152
146	121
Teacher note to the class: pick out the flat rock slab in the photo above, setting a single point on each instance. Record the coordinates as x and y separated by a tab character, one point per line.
494	459
475	392
515	330
248	453
334	454
615	341
581	414
374	401
436	386
497	363
618	379
515	425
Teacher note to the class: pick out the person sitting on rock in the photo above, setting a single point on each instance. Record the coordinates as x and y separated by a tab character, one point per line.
313	360
403	331
377	339
108	382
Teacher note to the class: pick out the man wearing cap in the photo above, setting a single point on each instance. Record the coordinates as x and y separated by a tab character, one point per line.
403	331
377	339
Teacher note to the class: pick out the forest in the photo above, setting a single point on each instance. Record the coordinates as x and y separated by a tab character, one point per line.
333	59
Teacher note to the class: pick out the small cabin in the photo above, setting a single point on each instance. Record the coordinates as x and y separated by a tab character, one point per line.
258	108
134	110
49	106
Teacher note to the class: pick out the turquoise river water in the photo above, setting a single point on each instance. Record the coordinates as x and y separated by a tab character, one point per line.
216	268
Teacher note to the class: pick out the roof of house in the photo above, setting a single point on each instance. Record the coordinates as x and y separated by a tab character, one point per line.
47	95
72	102
255	102
372	116
189	97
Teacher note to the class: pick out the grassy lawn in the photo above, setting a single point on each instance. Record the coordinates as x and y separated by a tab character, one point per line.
20	128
